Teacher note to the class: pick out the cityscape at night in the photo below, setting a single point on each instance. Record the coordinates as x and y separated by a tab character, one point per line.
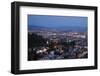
57	37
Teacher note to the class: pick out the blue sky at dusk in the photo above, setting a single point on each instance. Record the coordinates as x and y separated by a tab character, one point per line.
57	21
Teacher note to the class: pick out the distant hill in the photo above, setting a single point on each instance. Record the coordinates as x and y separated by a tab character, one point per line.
66	28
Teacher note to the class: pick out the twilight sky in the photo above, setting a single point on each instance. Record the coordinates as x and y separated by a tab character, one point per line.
57	21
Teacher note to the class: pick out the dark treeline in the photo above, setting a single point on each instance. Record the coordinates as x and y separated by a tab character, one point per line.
34	40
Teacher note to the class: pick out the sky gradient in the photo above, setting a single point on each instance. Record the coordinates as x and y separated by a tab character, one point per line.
57	21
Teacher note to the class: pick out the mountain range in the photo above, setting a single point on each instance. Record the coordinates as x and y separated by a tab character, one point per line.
65	28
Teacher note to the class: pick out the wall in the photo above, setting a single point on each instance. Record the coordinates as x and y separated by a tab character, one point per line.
5	40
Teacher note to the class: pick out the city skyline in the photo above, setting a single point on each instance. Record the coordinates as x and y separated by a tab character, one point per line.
57	37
